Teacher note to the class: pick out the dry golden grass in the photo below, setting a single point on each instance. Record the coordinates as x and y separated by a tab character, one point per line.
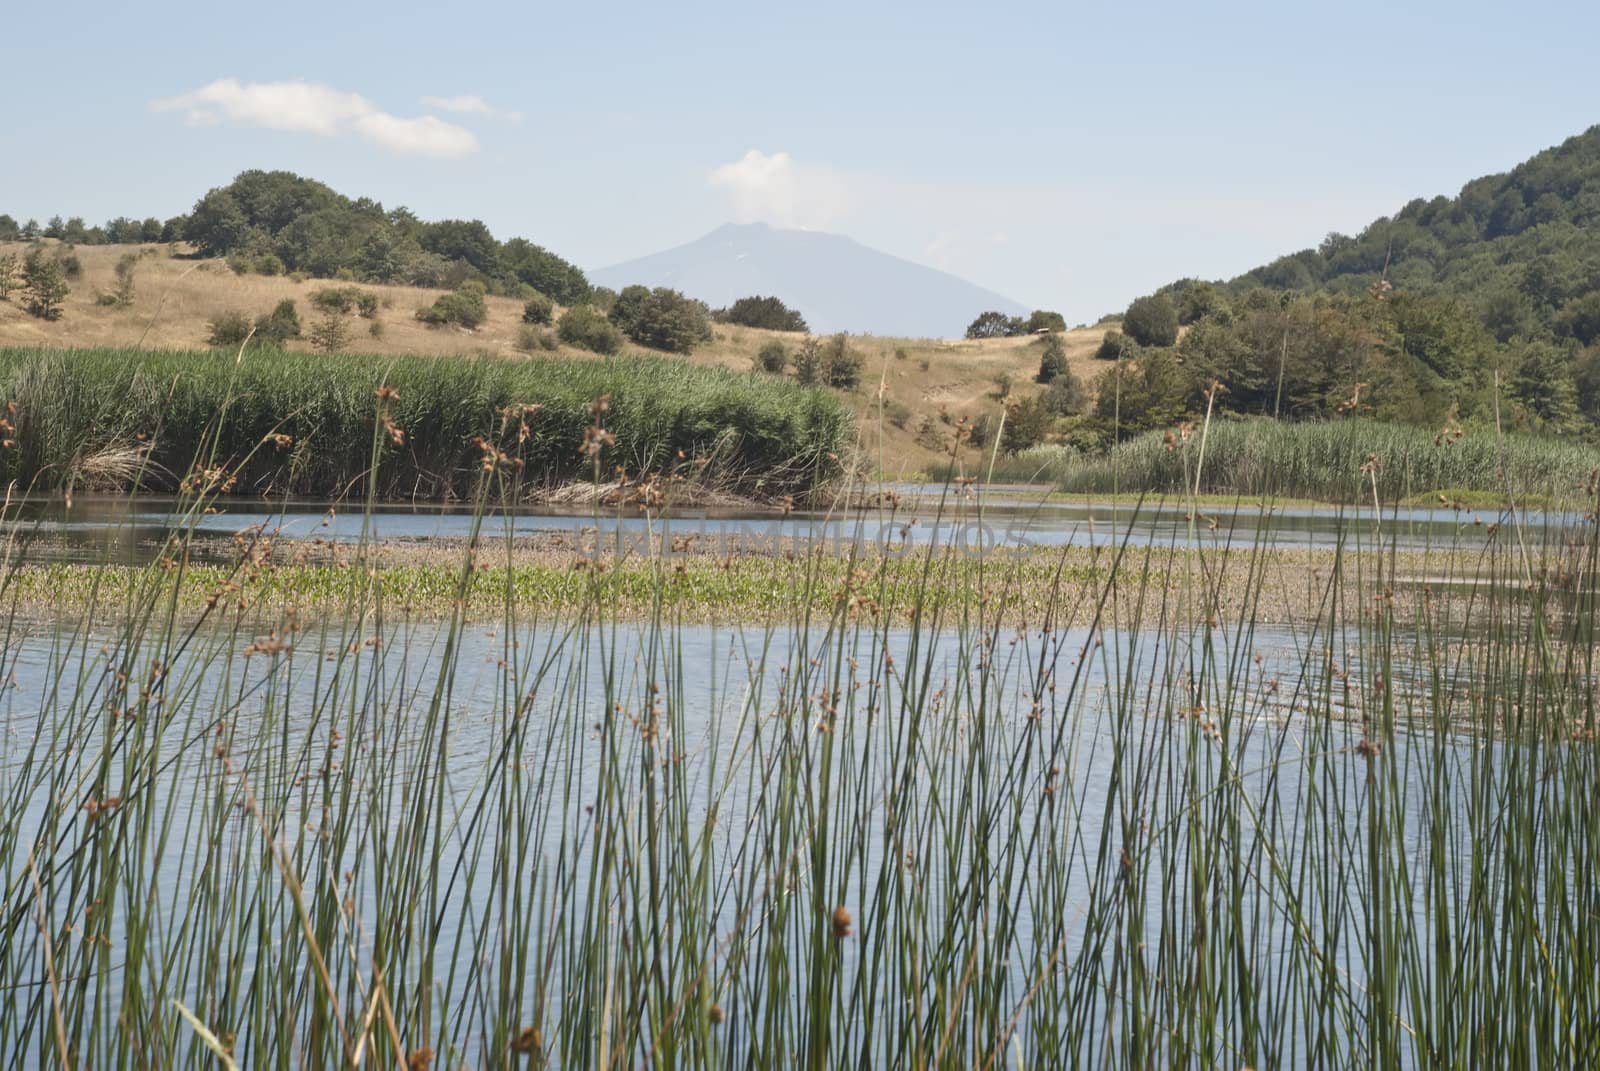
175	299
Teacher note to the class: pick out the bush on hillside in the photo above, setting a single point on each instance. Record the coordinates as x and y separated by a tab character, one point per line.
662	319
1052	358
44	285
841	362
994	324
538	309
588	328
768	313
1115	346
280	325
1151	321
229	328
773	358
1044	320
465	307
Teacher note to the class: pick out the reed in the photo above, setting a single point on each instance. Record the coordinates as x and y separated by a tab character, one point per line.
556	837
301	423
1324	461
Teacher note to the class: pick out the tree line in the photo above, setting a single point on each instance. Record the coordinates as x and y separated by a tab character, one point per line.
1430	316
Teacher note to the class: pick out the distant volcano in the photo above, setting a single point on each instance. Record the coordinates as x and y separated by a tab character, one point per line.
835	282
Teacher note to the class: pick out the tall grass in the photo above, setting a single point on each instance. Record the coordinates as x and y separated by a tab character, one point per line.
1167	837
1329	461
301	423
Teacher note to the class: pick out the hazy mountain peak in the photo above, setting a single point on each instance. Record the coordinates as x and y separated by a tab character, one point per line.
837	283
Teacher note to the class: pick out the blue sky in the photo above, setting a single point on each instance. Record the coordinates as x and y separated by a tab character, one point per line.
1069	155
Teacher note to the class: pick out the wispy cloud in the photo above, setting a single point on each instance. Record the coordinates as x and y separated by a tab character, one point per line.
470	104
310	108
775	189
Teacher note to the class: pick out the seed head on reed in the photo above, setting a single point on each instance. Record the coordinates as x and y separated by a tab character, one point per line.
528	1041
843	923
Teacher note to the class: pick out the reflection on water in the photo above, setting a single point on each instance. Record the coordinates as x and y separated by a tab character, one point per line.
122	529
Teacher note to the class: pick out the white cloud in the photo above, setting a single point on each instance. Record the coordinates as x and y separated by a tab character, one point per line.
470	104
774	189
309	108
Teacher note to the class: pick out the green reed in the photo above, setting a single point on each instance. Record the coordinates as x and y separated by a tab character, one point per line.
1114	834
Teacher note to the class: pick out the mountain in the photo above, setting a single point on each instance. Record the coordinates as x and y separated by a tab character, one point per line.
838	284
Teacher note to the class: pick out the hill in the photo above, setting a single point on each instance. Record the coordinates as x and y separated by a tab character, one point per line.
926	386
1522	248
1474	310
837	283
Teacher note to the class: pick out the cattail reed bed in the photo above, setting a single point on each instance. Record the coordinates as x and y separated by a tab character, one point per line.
1335	461
295	423
892	822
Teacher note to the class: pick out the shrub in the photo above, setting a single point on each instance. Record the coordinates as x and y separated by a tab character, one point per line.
1151	321
841	362
298	276
808	366
241	264
269	264
538	310
1026	424
768	313
10	263
774	358
126	264
1064	396
1052	358
331	333
44	285
531	338
1044	320
662	319
994	324
229	328
1115	346
464	306
587	327
375	329
280	325
71	266
346	299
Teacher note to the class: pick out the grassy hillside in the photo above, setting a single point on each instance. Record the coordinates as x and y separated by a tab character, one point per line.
927	385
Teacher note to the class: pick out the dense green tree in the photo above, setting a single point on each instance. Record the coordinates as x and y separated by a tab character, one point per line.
9	230
1027	421
316	230
768	313
1143	393
1052	358
1044	320
589	328
44	285
993	324
1151	321
1580	319
10	274
841	362
1115	346
280	325
773	357
1543	388
538	309
662	319
464	307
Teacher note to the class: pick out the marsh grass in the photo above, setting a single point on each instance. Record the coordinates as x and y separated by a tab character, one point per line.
564	839
301	423
1324	461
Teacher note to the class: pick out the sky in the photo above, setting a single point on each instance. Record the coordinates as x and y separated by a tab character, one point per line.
1069	155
